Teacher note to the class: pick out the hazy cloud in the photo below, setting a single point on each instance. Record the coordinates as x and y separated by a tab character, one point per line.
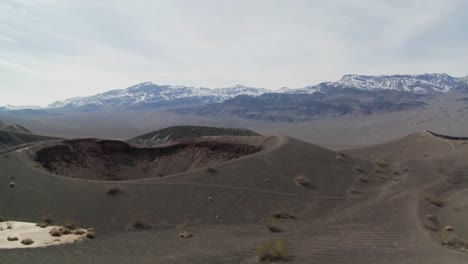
54	49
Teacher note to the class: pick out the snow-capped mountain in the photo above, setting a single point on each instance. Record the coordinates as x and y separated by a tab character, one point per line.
148	95
352	95
152	95
419	84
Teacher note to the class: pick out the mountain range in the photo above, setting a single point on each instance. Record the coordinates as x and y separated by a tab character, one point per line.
149	95
351	95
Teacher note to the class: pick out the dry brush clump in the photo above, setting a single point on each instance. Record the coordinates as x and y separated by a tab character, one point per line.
272	251
211	170
47	218
114	191
359	169
283	213
363	179
354	190
431	223
380	163
140	224
434	200
302	180
456	242
70	224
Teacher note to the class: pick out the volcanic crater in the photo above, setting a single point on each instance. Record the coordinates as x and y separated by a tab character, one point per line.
111	160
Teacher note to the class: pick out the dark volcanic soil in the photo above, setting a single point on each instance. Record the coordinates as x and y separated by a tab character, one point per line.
117	161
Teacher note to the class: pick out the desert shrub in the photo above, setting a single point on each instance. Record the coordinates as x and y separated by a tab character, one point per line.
140	224
359	169
434	200
283	213
272	251
363	179
302	180
47	218
114	191
380	163
27	241
456	242
211	170
70	224
431	223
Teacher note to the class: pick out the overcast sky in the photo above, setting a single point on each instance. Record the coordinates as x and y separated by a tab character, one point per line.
55	49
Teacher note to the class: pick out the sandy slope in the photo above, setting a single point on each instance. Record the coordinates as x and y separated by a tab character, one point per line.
352	210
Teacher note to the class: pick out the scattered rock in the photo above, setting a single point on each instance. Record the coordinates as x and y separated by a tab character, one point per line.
27	241
12	238
80	231
64	231
12	184
210	199
55	232
185	235
218	217
448	228
90	235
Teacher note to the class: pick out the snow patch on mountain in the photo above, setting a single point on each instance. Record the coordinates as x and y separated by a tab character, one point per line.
423	83
149	93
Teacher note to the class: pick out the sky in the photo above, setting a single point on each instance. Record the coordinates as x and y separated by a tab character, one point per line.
56	49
